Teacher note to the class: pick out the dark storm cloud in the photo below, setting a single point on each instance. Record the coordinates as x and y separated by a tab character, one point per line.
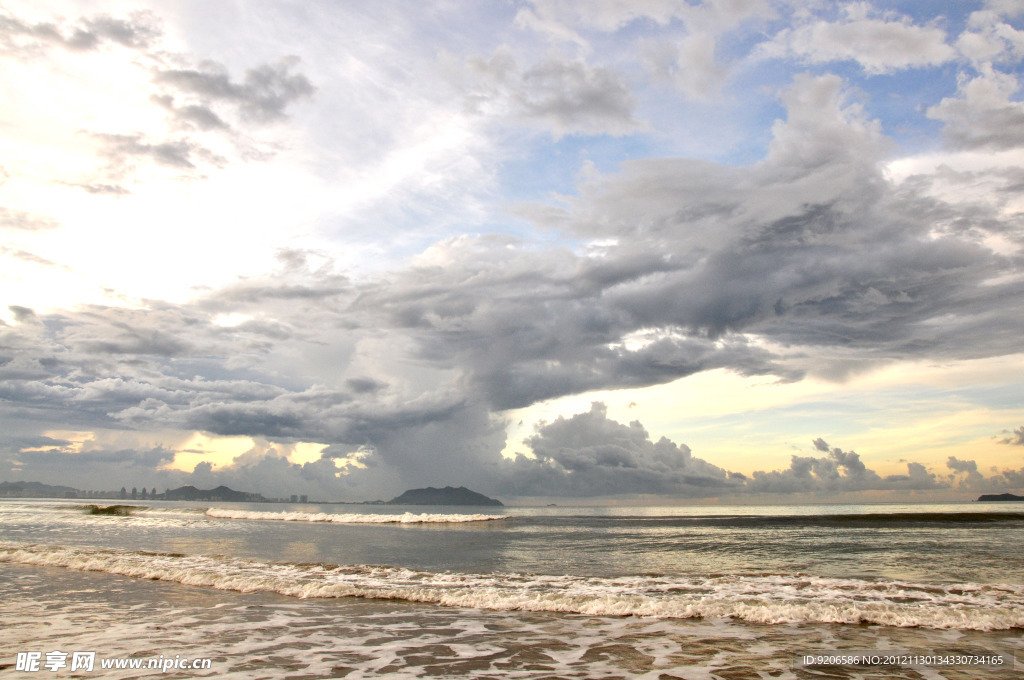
161	332
528	330
97	365
99	469
437	443
431	436
556	371
811	247
17	444
364	385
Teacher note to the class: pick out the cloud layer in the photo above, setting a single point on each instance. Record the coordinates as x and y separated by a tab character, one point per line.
422	286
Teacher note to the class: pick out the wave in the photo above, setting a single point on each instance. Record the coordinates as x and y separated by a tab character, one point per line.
138	511
852	520
767	599
873	519
351	518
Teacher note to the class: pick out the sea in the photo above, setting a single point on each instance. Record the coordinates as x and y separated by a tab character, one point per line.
362	591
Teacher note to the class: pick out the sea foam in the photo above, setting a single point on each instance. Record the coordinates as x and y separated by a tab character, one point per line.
351	518
767	599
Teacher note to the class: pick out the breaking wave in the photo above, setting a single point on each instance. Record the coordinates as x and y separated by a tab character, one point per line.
766	599
353	518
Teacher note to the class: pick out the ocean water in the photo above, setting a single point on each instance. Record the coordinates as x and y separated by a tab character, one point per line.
312	591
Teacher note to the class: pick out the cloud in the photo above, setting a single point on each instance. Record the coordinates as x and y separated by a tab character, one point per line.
592	455
139	30
983	116
21	220
564	96
838	471
263	96
810	248
843	471
966	475
195	115
121	149
560	18
811	261
878	45
689	64
200	117
686	58
265	469
100	188
1016	437
22	314
988	39
26	256
965	466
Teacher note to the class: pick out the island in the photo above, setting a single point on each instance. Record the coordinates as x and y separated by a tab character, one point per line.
221	493
998	498
446	496
35	490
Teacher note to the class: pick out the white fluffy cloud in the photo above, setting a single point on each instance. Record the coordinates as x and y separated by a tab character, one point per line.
984	115
877	44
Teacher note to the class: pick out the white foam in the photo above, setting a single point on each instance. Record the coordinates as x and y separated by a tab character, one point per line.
760	599
349	518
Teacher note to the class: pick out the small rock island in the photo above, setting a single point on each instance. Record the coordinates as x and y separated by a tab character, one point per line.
446	496
1001	497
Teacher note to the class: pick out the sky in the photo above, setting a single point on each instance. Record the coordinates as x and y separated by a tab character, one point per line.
601	250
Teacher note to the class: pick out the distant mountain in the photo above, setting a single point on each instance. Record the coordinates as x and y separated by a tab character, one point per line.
221	493
184	493
1000	497
35	490
446	496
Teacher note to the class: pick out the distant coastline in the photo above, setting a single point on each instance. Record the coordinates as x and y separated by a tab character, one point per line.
183	493
428	496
